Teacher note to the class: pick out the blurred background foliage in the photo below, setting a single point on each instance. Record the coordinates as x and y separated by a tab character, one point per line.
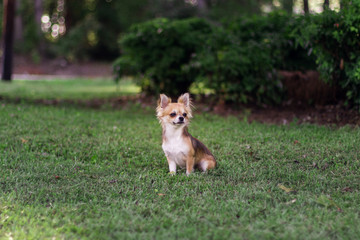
233	48
86	29
239	58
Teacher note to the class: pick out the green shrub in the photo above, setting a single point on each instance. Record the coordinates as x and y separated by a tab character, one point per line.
238	61
160	52
168	56
335	39
280	32
238	71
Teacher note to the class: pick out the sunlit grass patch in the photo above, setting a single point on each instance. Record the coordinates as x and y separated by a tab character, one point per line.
78	88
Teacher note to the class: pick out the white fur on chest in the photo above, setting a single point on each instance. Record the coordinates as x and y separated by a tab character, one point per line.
174	146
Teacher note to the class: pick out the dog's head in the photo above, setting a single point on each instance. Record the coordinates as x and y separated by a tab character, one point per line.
176	114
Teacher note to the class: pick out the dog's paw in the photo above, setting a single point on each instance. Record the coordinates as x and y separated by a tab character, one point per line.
172	173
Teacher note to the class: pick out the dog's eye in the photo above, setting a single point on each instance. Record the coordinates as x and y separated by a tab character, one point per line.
184	114
172	114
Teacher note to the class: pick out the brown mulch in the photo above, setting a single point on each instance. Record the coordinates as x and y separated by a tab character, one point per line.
283	115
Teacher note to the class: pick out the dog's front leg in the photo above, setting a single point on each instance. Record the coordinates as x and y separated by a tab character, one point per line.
172	166
190	161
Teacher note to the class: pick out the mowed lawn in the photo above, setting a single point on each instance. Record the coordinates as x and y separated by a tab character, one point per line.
77	88
75	173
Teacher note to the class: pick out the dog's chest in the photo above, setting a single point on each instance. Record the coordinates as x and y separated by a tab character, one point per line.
176	150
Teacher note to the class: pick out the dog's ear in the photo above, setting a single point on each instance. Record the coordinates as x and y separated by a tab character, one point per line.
164	101
185	99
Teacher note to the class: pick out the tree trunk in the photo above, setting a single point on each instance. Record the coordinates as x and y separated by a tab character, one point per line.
306	6
8	36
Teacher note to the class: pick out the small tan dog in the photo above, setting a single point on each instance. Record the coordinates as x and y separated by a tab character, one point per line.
180	148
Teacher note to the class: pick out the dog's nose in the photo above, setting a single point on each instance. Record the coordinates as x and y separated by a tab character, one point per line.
181	119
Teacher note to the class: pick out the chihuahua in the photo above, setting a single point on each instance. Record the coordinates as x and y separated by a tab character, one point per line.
180	148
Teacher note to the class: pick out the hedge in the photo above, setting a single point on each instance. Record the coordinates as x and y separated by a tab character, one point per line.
239	60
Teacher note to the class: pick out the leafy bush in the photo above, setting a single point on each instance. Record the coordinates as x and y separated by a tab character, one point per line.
335	39
238	61
280	32
238	71
168	56
160	51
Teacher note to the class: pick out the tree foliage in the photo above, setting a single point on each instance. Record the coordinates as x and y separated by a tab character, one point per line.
93	26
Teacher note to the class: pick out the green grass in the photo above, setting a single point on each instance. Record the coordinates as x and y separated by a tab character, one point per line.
78	88
75	173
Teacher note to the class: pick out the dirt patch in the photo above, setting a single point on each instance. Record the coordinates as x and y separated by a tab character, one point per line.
322	115
285	114
308	88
